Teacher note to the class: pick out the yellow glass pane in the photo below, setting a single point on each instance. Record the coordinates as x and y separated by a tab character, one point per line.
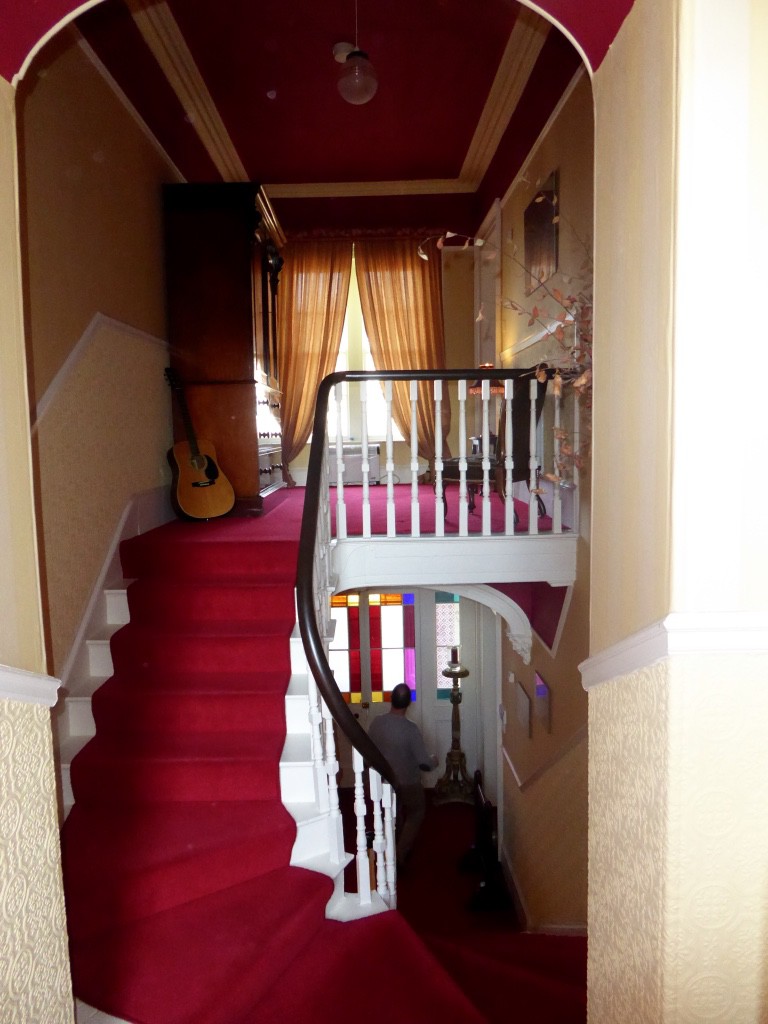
353	600
392	599
355	698
375	599
377	697
339	601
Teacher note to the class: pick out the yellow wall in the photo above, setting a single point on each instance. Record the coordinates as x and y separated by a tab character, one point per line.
94	280
545	798
21	636
634	234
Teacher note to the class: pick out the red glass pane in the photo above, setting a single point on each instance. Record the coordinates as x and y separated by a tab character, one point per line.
355	678
409	626
374	621
354	629
377	675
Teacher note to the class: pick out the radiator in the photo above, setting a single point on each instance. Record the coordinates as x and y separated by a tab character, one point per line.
353	464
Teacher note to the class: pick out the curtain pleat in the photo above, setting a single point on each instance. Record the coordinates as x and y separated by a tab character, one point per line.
314	287
401	297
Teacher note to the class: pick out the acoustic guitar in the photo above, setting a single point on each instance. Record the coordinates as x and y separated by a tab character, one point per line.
199	489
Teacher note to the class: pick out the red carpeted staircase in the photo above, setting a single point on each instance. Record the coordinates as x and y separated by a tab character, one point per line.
182	907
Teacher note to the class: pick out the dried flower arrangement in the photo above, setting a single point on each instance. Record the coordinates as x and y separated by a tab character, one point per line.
565	317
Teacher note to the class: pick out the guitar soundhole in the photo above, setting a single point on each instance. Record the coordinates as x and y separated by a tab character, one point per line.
208	467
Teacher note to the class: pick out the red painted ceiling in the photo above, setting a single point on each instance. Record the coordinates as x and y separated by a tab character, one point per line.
269	69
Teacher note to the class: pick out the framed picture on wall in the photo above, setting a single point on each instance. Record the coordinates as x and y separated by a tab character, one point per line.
541	234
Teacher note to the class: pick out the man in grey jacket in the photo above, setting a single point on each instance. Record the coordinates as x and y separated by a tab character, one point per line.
401	742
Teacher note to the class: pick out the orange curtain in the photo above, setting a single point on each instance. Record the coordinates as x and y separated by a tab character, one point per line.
402	300
314	287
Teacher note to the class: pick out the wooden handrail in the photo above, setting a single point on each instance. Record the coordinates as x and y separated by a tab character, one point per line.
308	625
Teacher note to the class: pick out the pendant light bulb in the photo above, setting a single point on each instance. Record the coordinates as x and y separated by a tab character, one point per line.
357	82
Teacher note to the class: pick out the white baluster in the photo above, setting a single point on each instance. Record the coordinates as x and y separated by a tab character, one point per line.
415	511
363	864
557	497
485	391
341	508
335	831
463	524
389	803
509	459
439	506
575	503
316	735
390	462
379	842
365	464
533	502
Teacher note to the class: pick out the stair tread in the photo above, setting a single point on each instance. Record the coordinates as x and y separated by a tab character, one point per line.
207	961
200	746
132	838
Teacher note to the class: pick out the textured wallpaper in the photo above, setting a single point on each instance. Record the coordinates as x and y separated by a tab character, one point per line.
678	845
35	984
102	439
628	767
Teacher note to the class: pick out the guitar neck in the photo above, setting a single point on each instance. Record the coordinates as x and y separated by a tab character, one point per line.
187	421
177	387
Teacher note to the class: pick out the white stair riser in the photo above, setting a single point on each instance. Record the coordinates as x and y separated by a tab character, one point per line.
297	715
79	717
311	840
117	607
297	782
100	658
298	658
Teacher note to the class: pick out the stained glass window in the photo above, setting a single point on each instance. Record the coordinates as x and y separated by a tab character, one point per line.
388	620
447	635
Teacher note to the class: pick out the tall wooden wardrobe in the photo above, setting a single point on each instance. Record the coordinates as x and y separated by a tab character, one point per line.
222	270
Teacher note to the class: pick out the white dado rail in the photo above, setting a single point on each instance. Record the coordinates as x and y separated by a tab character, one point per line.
28	687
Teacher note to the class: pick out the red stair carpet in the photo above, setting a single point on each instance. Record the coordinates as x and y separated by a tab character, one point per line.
182	907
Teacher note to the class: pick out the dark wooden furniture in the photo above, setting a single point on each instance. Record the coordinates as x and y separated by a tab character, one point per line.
222	271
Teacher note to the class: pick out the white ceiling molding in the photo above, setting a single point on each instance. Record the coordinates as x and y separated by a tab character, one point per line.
163	36
520	55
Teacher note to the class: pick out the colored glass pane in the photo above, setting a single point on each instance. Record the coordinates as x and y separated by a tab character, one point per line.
447	635
375	626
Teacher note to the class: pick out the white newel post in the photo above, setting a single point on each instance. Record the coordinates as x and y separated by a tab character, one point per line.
439	505
533	504
415	511
363	864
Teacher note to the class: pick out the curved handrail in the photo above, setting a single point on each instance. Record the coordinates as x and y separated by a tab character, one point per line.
308	626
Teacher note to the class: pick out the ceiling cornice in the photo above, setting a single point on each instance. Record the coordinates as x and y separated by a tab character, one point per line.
520	55
163	36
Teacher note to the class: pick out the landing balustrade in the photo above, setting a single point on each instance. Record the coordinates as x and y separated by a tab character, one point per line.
339	551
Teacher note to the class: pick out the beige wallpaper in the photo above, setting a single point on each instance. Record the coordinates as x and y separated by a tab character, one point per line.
102	439
92	240
545	832
628	766
634	220
91	192
35	985
21	633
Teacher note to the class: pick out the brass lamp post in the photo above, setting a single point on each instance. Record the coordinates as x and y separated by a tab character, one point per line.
455	785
